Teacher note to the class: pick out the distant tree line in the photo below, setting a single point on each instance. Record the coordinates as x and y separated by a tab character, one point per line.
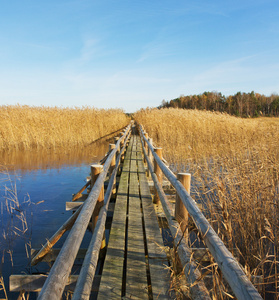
241	104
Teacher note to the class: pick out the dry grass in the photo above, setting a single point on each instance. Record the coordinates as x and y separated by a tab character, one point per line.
13	216
235	167
26	127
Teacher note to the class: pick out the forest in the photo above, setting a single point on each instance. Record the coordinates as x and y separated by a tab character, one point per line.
241	104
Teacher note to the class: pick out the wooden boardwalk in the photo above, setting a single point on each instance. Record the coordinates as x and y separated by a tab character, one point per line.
136	265
132	264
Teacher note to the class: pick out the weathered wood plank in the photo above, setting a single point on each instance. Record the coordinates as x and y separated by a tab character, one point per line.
56	236
157	258
79	195
73	205
154	237
136	281
54	252
34	283
111	282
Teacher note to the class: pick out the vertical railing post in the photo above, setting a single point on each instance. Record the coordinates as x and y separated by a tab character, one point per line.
115	141
121	146
158	173
112	166
150	156
117	152
145	146
96	170
181	213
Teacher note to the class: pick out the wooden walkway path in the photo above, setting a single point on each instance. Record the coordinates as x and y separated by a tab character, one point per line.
133	263
136	265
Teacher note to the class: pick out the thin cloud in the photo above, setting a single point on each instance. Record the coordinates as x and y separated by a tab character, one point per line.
89	50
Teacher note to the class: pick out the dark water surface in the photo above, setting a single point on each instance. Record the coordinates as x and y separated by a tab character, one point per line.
37	185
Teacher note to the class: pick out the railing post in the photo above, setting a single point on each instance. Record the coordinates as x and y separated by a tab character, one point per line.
122	145
158	173
181	213
145	146
112	166
116	138
150	156
96	170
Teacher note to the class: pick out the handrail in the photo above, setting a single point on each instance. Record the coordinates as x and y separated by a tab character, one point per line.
86	275
234	275
197	287
60	271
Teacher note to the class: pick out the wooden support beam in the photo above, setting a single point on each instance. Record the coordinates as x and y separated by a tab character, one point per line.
181	213
116	139
73	205
158	173
112	166
150	156
34	283
145	146
54	252
78	195
55	238
121	146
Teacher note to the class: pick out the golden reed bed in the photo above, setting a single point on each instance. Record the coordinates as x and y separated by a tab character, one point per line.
26	127
234	164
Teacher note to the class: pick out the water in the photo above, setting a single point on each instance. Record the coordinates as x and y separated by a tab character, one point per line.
43	183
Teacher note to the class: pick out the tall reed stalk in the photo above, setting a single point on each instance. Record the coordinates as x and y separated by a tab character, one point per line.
14	223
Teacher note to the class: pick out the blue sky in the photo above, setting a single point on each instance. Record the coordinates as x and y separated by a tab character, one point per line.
133	54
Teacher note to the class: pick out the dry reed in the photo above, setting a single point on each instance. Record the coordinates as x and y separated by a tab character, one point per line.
26	127
235	169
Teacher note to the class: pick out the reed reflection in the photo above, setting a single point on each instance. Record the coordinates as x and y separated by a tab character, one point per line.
46	159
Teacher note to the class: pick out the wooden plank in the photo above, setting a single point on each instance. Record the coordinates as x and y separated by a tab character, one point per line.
79	195
160	278
111	282
54	252
136	281
157	258
34	283
73	205
55	238
154	237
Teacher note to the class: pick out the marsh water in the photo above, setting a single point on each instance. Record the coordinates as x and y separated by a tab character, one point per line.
34	189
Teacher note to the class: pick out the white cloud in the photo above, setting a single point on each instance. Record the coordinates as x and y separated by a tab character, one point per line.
89	50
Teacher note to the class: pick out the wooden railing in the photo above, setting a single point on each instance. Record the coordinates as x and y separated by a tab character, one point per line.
78	222
232	271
